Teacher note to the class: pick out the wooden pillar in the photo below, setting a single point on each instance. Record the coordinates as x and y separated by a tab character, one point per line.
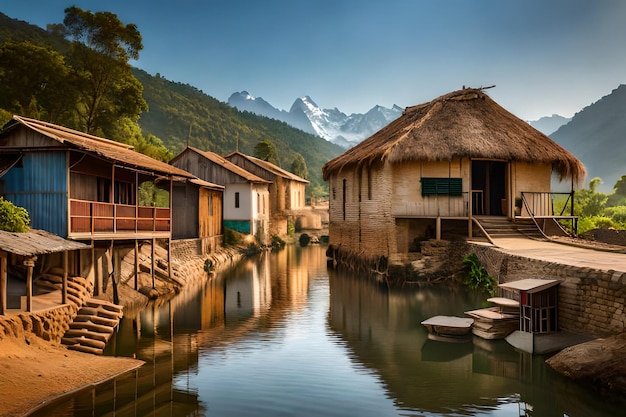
97	280
30	265
3	283
169	257
136	265
65	274
470	201
153	260
438	228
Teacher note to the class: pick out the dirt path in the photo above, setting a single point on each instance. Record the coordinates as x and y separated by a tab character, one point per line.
35	372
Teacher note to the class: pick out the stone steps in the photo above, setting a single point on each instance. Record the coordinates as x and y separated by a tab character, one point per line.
93	326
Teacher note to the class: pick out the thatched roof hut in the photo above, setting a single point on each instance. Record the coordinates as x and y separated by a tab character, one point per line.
461	124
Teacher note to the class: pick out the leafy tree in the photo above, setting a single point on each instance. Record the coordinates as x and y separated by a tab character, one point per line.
618	198
590	202
13	218
298	167
34	82
101	46
266	150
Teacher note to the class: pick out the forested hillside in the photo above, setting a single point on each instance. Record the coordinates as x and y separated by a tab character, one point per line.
180	114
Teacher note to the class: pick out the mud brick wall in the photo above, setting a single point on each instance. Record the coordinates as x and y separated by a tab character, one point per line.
591	301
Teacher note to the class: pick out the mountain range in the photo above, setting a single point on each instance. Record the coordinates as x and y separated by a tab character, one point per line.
597	136
330	124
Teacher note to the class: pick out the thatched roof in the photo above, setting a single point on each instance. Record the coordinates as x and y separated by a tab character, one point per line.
462	124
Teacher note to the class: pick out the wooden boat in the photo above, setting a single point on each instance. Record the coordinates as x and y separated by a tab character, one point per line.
448	326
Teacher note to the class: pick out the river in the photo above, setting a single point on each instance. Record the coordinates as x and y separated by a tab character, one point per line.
283	335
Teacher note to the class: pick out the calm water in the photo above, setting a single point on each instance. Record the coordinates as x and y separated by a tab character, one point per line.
282	335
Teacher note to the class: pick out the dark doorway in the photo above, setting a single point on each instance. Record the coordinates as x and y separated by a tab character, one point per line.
489	188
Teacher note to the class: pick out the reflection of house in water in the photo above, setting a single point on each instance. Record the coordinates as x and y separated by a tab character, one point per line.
383	331
249	293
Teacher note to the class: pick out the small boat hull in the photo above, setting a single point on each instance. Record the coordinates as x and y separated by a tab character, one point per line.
448	327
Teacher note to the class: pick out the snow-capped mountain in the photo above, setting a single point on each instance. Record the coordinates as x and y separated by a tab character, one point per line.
330	124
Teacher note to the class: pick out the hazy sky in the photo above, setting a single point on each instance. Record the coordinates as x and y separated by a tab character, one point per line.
544	56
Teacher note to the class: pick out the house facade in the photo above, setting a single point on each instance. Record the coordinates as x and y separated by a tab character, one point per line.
197	213
437	171
246	206
287	191
84	188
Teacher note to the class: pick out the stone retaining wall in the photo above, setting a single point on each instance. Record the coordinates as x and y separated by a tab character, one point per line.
590	301
50	324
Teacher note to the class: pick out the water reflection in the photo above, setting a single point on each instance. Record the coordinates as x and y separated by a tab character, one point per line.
282	335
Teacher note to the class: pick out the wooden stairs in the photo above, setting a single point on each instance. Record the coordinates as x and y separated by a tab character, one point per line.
501	227
93	326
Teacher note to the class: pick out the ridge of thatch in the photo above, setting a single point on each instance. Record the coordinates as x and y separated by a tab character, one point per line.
462	124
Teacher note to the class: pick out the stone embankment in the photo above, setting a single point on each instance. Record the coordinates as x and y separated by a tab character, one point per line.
187	266
591	302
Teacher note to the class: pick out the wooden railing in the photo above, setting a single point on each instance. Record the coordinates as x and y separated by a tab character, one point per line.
95	218
549	205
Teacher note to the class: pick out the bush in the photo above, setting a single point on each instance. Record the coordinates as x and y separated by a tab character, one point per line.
277	242
13	218
231	237
477	277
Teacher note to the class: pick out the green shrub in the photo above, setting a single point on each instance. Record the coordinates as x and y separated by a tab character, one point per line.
477	277
277	242
13	218
231	237
291	229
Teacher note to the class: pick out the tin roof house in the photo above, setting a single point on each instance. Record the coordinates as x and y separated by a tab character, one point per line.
246	205
442	170
84	188
287	191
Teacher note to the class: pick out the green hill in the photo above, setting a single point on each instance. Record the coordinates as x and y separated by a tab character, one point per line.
180	115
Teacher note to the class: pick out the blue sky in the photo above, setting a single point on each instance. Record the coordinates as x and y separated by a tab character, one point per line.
544	56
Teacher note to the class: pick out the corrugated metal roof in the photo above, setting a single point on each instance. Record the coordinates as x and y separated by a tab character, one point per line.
109	149
36	242
226	164
268	166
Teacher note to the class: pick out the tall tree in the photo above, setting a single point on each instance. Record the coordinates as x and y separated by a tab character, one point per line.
101	47
34	82
266	150
298	167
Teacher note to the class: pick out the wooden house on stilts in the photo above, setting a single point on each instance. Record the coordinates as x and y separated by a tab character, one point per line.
441	171
85	188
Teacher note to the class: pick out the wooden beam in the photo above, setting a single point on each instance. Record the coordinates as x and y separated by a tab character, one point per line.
30	266
3	283
153	261
136	265
65	274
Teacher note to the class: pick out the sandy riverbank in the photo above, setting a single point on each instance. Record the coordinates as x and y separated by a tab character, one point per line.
36	371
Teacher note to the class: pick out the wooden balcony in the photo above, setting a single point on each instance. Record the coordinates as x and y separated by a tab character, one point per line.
96	220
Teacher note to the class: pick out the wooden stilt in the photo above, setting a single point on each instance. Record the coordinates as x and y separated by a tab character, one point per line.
153	261
65	274
136	265
30	265
3	282
438	228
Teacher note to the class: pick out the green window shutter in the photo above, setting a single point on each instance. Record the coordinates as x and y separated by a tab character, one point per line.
442	186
